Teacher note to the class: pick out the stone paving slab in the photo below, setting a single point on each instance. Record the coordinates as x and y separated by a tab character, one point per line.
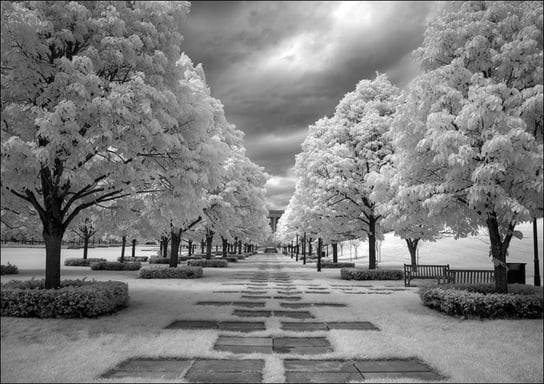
250	313
320	292
295	305
256	297
298	326
364	325
249	304
224	377
393	365
325	326
193	324
322	377
149	369
319	365
294	314
431	376
217	303
243	341
301	342
329	305
243	348
224	365
242	326
294	298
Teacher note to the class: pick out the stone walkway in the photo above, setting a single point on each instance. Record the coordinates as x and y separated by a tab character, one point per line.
268	283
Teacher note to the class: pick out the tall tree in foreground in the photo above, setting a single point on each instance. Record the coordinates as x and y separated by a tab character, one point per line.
464	149
90	98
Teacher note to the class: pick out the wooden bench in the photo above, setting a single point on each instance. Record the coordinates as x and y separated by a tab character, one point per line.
422	271
469	276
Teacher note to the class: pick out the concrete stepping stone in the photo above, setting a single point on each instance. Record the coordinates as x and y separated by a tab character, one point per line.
227	291
329	305
295	305
256	297
244	344
318	292
149	368
250	313
391	365
253	292
242	326
363	325
218	303
294	298
302	345
303	327
193	324
249	304
320	371
226	371
325	326
294	314
317	288
282	292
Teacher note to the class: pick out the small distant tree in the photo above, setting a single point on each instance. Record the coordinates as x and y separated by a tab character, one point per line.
85	230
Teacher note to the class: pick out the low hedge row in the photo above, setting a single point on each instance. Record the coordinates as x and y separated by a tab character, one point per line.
9	269
212	263
75	298
370	274
141	259
159	260
171	273
473	304
76	262
328	264
115	266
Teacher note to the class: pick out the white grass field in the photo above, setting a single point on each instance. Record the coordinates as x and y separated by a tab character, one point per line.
80	350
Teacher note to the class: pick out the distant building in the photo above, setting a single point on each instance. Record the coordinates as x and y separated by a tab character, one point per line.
273	217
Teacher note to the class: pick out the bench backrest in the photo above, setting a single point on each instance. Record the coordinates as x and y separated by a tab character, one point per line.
470	276
420	270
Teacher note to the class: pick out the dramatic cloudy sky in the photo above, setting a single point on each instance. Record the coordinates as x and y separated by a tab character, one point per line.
280	66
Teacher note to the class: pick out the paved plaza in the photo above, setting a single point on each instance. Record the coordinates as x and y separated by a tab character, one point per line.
268	281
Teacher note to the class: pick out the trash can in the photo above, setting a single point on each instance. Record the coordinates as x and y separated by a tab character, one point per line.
515	273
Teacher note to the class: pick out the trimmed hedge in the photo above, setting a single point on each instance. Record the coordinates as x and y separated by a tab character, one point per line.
9	269
470	304
76	262
115	266
370	274
159	260
171	273
141	259
337	265
75	298
212	263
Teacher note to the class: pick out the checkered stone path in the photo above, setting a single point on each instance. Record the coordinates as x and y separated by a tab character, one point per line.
269	282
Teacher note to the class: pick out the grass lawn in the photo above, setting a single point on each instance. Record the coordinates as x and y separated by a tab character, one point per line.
80	350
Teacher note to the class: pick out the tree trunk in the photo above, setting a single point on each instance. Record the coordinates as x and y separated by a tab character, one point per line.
310	247
224	244
209	242
175	234
371	243
334	252
123	243
53	240
412	247
239	247
319	246
304	249
498	252
164	246
190	251
85	247
133	248
202	246
536	278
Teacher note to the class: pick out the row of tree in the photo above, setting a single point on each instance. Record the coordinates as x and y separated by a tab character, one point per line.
459	149
105	119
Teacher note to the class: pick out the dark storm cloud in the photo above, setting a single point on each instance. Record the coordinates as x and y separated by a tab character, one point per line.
280	66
